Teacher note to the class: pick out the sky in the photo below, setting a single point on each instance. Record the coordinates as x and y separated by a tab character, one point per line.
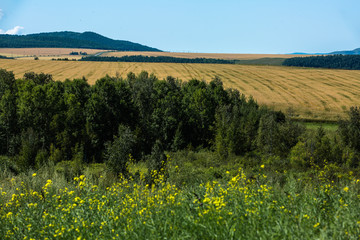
200	26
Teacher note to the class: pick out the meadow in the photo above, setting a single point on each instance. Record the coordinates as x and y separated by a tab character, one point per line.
257	204
312	93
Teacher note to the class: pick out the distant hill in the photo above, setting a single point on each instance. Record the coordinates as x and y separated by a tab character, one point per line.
346	52
334	61
351	52
70	40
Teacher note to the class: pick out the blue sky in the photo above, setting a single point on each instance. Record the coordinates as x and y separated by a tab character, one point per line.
213	26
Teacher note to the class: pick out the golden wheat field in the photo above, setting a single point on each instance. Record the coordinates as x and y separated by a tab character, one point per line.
227	56
312	93
44	52
48	53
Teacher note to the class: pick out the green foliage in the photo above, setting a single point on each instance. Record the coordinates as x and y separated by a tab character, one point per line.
39	79
41	158
45	121
317	149
5	57
55	155
7	81
350	157
30	145
236	125
9	127
109	105
72	129
338	61
299	156
350	129
40	107
118	152
157	159
261	204
78	160
8	112
7	167
277	135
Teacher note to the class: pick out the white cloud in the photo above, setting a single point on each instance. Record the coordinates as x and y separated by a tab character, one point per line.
14	31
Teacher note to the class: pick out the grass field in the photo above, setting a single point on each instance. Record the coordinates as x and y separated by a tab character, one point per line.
312	93
266	205
327	126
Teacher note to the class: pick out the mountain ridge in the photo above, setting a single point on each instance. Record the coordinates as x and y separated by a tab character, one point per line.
69	39
344	52
348	52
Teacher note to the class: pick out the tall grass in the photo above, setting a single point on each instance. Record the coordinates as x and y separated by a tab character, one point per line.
266	205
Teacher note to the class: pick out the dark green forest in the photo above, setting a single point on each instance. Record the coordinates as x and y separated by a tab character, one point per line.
89	40
157	59
43	120
5	57
349	62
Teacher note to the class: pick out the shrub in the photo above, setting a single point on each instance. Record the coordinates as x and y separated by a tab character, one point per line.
118	152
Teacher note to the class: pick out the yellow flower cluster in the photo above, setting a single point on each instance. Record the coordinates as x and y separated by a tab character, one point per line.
83	210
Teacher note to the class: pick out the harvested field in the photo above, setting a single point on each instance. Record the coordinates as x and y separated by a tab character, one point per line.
227	56
312	93
43	52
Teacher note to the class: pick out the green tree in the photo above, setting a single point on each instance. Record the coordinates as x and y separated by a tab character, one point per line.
39	79
30	145
118	151
277	134
109	105
72	130
350	129
167	112
199	113
9	128
41	108
157	160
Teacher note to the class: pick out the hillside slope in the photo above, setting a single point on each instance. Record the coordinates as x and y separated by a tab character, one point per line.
69	40
351	52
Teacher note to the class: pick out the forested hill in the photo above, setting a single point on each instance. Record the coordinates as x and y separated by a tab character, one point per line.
350	52
350	62
70	40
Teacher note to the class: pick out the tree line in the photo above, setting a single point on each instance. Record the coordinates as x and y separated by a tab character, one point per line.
78	53
141	116
5	57
156	59
350	62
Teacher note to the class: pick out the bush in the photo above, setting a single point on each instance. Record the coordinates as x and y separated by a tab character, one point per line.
349	130
118	152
